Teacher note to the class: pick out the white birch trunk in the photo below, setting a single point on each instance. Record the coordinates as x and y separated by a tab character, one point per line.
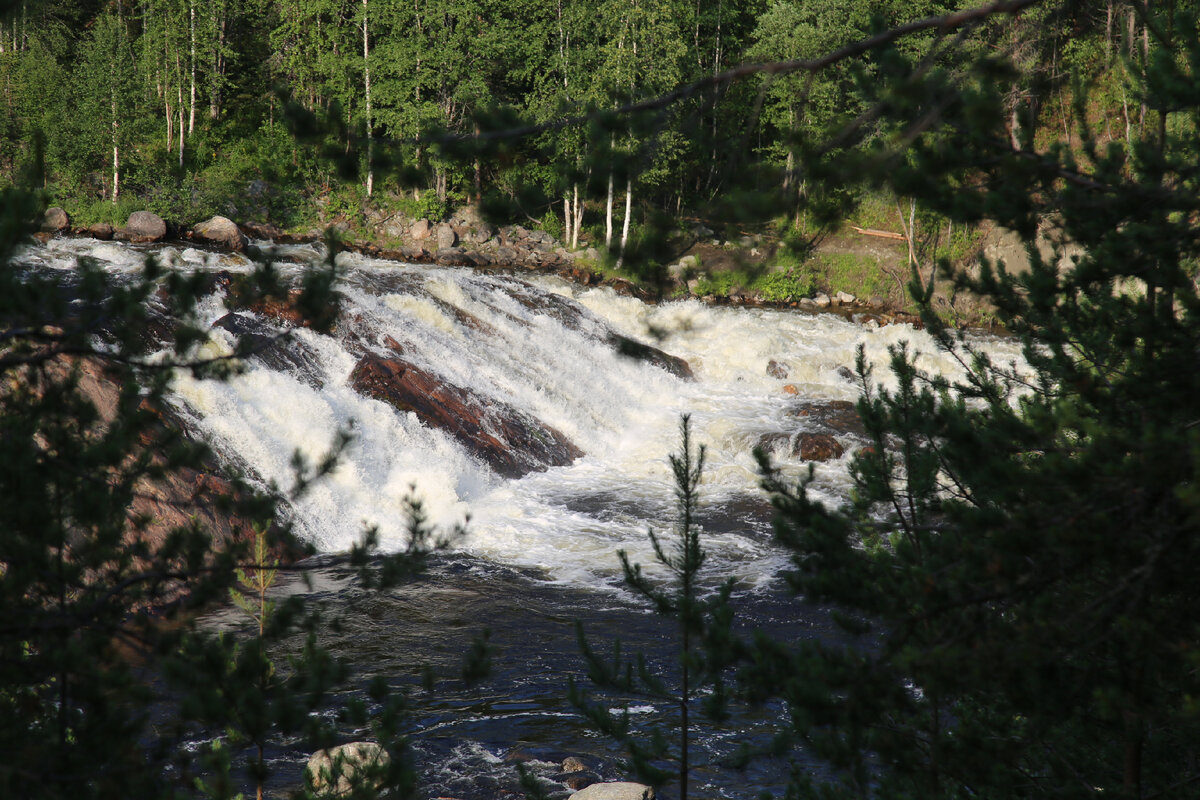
218	67
367	82
116	156
625	222
608	209
568	218
181	125
192	66
578	220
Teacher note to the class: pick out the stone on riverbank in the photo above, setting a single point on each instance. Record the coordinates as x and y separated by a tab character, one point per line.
145	226
220	231
100	230
332	770
55	220
620	790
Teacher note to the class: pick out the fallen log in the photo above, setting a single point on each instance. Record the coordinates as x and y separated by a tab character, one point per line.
881	234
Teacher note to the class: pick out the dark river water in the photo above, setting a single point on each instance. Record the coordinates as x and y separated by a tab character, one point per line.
468	740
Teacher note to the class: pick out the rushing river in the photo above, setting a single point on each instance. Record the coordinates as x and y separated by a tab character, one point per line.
540	550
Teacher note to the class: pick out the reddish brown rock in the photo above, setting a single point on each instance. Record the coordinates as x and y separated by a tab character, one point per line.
420	230
179	497
840	416
511	442
281	309
817	447
100	230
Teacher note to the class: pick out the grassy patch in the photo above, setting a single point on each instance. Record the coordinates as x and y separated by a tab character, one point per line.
859	275
721	284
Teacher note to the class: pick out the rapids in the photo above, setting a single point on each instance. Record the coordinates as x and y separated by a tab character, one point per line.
540	549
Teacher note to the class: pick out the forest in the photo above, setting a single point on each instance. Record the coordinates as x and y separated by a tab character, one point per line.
1013	568
189	109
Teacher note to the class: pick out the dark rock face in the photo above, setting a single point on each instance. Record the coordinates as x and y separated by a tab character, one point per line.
778	369
644	352
264	344
838	416
144	226
511	442
828	429
220	231
100	230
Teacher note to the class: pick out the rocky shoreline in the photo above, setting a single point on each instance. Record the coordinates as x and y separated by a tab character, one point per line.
466	240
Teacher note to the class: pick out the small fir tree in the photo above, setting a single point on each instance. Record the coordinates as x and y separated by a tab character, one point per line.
704	639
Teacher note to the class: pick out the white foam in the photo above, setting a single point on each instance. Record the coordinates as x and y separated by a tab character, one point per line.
567	522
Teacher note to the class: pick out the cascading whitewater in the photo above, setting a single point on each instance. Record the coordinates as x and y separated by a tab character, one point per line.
577	433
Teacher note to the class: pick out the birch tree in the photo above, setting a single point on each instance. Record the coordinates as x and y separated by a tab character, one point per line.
106	60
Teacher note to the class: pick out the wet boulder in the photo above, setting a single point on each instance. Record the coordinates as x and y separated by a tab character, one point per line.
55	220
145	226
640	351
778	369
817	447
100	230
333	771
273	349
511	442
220	231
619	790
838	416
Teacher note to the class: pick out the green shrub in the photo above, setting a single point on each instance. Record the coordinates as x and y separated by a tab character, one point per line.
551	224
786	285
721	284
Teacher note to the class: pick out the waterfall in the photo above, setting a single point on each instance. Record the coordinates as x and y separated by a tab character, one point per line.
577	433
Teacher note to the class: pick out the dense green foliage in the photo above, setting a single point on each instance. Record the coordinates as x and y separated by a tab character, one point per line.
1017	556
184	107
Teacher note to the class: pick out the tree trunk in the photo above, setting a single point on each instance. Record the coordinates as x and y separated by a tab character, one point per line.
192	67
116	156
367	82
1108	31
608	212
218	65
578	220
625	222
181	126
568	218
